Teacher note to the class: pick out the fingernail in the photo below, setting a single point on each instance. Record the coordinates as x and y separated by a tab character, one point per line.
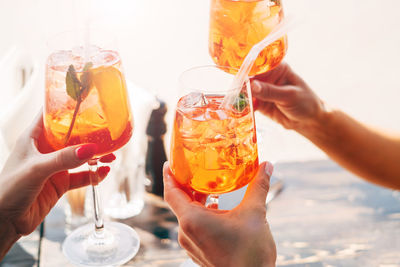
255	86
86	151
165	164
269	168
103	171
108	158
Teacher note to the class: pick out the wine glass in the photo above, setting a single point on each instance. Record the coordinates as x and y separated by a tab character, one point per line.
236	26
86	102
213	146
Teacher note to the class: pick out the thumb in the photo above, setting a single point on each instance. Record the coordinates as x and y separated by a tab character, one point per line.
257	190
67	158
271	92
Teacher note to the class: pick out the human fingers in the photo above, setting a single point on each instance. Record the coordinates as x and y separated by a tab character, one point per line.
178	199
64	159
278	75
257	190
107	158
270	92
81	179
36	127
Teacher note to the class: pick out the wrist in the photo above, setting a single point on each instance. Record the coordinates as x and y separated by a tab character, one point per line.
8	237
318	124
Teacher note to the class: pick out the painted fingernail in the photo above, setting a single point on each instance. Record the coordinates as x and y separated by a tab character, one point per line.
269	168
86	151
103	171
108	158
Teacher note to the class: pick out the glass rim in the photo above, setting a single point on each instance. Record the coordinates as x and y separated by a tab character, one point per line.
216	67
77	34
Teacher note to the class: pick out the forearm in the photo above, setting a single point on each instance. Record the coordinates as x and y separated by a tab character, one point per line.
366	152
8	237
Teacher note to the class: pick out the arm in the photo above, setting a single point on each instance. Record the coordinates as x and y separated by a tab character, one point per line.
365	151
286	98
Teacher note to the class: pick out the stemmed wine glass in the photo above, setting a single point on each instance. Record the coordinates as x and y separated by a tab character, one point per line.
213	147
86	102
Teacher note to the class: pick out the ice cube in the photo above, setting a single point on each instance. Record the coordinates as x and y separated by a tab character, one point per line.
60	60
104	57
194	100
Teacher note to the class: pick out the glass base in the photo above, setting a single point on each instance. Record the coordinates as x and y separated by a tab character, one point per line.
118	244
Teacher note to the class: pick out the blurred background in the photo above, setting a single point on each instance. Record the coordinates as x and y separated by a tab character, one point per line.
348	52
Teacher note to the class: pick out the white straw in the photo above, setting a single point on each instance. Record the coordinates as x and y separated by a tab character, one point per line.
280	30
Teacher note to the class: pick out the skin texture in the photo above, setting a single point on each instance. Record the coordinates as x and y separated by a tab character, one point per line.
211	237
31	182
368	152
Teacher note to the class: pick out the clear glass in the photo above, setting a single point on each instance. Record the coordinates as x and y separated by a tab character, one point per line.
237	25
213	148
86	102
75	209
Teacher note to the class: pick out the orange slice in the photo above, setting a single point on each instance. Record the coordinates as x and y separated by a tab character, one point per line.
111	87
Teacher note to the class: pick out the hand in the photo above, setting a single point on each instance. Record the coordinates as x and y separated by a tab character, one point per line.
31	182
238	237
284	97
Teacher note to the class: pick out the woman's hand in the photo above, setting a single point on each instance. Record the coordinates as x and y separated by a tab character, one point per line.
31	182
284	97
238	237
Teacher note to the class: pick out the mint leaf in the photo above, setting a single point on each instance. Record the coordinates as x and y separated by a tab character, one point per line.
241	102
72	83
86	80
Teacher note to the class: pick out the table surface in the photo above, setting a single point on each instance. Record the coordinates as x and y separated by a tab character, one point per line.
324	217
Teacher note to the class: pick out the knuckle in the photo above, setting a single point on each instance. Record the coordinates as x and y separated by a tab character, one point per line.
59	160
260	210
37	167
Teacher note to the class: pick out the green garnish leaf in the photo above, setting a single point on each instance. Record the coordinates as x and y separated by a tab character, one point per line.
77	90
72	83
86	80
241	102
88	66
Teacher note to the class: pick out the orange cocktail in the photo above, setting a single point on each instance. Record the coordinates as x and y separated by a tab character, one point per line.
213	150
237	25
100	114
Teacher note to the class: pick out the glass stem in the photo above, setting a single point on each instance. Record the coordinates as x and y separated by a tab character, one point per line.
97	208
212	201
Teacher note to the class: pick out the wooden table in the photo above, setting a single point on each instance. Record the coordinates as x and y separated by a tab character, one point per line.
323	217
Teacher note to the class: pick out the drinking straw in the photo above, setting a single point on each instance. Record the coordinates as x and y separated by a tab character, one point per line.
280	30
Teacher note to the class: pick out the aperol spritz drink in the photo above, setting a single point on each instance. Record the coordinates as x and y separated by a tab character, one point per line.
214	151
101	116
237	25
213	148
